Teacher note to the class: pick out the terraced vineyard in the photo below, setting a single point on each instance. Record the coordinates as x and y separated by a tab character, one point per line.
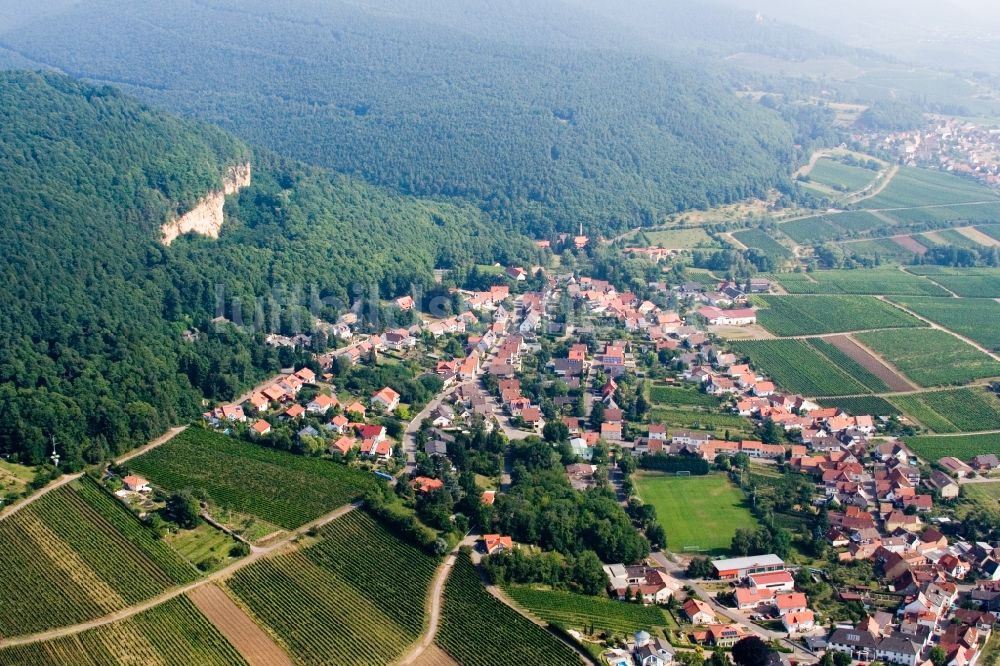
960	446
798	367
78	555
950	411
931	357
478	630
355	597
812	315
577	611
279	487
874	282
174	632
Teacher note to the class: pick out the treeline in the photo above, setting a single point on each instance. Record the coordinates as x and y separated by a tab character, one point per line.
667	463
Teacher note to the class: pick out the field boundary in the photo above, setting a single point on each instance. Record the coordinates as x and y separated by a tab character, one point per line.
241	630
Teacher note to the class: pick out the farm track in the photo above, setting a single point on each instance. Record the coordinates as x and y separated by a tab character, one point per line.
218	576
872	362
931	280
240	629
879	187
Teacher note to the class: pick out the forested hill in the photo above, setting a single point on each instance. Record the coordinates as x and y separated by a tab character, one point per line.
543	137
94	308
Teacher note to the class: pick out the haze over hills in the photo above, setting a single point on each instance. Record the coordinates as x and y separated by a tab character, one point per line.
543	133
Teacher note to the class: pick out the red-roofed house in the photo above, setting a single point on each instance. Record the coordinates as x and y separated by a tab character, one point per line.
494	543
798	621
296	411
342	445
425	484
261	427
386	397
136	483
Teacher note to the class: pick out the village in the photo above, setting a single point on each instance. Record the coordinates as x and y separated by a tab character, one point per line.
566	362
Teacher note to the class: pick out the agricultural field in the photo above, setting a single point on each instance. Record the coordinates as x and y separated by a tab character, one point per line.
578	611
477	629
761	240
279	487
991	230
354	597
204	546
675	395
867	404
840	359
174	632
797	367
931	357
812	315
947	216
984	496
966	282
898	249
79	554
701	420
975	318
856	221
921	187
953	410
841	177
686	504
875	282
812	230
680	239
931	447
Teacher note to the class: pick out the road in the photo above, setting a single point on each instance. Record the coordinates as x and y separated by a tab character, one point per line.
674	569
173	593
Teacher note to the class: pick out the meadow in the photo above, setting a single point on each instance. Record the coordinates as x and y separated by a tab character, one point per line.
685	505
281	488
812	315
983	495
961	446
701	420
798	367
931	357
879	281
680	239
975	318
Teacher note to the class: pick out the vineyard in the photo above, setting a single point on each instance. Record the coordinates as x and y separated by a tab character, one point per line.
841	177
976	318
859	282
811	315
174	632
672	395
281	488
920	187
479	630
867	404
931	357
848	365
680	418
960	446
958	410
966	282
79	555
799	368
577	611
355	597
760	239
809	230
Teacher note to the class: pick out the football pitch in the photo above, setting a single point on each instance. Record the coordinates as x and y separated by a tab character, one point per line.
697	512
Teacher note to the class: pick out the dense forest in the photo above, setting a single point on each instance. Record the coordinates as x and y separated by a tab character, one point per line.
541	137
94	312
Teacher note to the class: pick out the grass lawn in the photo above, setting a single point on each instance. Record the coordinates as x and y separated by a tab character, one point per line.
203	544
983	495
696	511
14	478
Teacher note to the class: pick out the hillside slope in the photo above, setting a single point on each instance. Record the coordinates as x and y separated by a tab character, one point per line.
544	137
94	305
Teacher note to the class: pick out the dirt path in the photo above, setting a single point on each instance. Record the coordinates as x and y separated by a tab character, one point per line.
435	656
869	360
219	575
11	509
728	236
239	628
931	280
503	598
879	187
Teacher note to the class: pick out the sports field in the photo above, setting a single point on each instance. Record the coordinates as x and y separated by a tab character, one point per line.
696	511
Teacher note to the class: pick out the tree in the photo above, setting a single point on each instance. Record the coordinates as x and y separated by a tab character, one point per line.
769	432
719	657
842	659
597	415
588	573
751	651
555	431
938	656
184	510
699	567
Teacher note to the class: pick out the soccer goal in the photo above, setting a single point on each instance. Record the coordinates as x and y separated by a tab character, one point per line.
682	473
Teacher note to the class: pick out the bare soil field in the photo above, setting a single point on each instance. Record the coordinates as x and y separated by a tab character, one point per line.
434	656
246	636
753	332
907	243
978	236
892	379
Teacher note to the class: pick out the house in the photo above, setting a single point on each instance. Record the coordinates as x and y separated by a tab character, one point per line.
405	303
306	375
897	649
386	397
136	484
858	643
725	635
698	612
655	652
372	431
799	621
342	446
791	602
985	462
442	416
260	402
735	317
944	484
488	498
494	543
321	404
955	467
516	273
260	427
355	408
424	484
532	417
741	567
748	598
776	581
296	411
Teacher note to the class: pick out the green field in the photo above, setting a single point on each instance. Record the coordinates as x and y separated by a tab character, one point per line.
174	633
760	239
931	357
920	187
953	410
876	282
687	505
885	250
812	230
354	597
947	216
849	365
975	318
961	446
680	238
811	315
79	554
700	420
857	222
279	487
477	629
839	176
983	495
973	283
868	404
578	611
798	367
675	395
204	546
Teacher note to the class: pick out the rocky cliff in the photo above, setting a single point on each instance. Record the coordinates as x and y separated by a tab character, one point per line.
206	217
